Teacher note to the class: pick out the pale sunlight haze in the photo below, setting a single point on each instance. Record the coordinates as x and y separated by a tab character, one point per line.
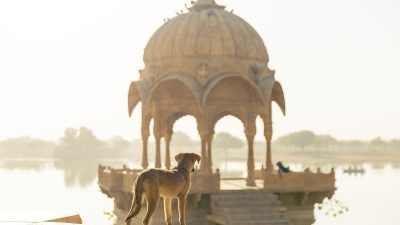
69	64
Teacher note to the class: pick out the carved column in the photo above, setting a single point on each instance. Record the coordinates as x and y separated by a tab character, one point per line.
157	135
203	132
167	138
250	158
145	162
204	161
209	150
268	137
158	152
145	138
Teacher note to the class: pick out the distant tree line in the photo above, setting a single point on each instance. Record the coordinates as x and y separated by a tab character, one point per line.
76	143
26	147
82	143
308	141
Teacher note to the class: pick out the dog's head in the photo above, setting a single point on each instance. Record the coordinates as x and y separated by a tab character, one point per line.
188	160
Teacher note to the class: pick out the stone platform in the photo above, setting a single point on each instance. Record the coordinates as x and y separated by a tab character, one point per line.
276	198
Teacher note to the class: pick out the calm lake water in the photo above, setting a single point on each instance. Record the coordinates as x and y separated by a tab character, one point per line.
47	186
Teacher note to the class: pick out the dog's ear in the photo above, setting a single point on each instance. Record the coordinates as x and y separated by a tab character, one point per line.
178	156
197	157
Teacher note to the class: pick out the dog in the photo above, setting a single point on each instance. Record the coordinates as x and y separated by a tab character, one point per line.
155	183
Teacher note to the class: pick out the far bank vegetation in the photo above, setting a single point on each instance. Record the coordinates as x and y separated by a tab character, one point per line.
82	143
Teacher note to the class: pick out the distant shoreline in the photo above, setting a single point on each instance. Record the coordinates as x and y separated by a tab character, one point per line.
310	158
324	157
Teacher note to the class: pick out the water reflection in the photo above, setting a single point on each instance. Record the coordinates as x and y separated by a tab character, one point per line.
71	186
25	164
395	165
82	173
378	166
77	172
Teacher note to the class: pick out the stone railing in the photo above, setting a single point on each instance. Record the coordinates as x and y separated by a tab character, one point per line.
122	180
116	179
259	174
306	181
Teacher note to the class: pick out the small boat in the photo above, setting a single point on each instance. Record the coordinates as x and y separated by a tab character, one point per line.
354	170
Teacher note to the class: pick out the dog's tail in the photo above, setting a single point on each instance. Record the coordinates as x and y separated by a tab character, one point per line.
137	199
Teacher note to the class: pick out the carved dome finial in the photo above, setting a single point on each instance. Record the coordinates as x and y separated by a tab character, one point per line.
203	4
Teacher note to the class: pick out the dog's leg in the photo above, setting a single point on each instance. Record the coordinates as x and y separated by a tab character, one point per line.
182	203
152	203
168	211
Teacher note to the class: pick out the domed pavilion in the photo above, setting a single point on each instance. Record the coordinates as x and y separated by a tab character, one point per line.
207	63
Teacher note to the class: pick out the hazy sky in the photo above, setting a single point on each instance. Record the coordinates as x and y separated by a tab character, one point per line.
67	63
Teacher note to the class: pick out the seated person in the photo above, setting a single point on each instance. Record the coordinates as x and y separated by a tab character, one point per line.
283	169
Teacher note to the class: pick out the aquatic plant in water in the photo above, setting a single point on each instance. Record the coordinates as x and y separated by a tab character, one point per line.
332	207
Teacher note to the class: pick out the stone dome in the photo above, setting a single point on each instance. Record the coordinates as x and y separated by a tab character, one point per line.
207	63
206	31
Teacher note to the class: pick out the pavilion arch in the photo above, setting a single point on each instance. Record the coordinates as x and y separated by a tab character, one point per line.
226	76
172	95
181	79
175	116
168	131
218	116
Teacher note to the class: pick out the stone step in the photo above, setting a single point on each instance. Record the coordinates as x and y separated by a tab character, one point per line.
238	210
247	208
248	192
241	197
256	216
246	203
244	197
261	222
220	220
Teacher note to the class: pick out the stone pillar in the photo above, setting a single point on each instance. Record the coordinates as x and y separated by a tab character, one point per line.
204	161
158	151
202	128
268	137
167	138
209	150
250	159
157	132
157	137
145	138
145	162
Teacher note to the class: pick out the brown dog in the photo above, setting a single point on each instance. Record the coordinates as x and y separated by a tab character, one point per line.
155	183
